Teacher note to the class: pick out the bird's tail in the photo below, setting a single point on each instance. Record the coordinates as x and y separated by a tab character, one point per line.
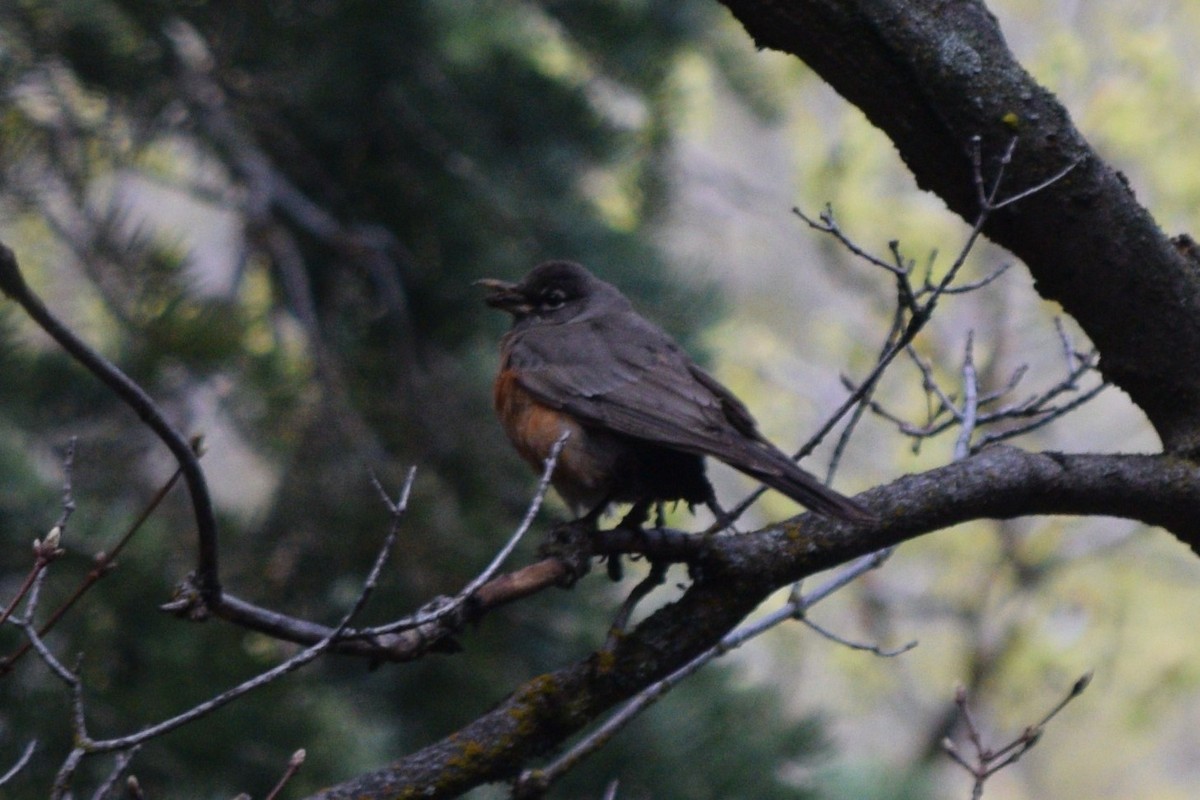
781	473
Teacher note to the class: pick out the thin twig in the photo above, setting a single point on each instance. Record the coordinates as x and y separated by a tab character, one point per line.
45	550
85	745
874	649
1071	356
62	779
445	608
865	398
20	763
294	764
919	312
1013	381
39	564
970	407
828	224
1032	190
533	782
39	646
68	496
944	411
946	402
121	764
654	578
103	564
844	577
966	288
1050	416
986	761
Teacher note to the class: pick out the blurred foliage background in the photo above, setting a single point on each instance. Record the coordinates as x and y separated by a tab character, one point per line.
270	215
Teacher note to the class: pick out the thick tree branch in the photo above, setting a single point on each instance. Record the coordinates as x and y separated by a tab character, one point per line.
735	573
932	75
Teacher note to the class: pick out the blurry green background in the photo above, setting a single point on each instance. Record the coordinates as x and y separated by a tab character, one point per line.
278	240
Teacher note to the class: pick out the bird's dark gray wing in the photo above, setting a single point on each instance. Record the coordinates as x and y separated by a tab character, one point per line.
622	373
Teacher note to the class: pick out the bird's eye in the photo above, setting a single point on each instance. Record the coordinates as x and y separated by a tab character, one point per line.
554	299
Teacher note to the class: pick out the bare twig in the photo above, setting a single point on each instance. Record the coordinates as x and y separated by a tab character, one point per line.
20	763
85	745
429	628
68	496
444	609
865	397
827	224
39	647
869	648
1032	190
986	762
103	565
917	304
45	550
965	288
946	403
801	603
945	411
412	643
294	764
119	766
969	415
534	782
1073	358
654	578
1049	415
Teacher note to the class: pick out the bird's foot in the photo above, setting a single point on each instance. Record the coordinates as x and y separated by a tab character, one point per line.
637	517
633	521
614	567
571	544
722	519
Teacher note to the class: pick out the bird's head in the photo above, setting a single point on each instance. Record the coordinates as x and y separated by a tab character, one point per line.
553	292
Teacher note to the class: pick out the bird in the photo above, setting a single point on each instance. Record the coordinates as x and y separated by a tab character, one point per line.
639	414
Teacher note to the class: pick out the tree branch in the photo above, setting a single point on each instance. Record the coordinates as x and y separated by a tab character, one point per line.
932	75
12	284
735	573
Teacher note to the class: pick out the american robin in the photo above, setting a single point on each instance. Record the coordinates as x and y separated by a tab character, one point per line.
640	413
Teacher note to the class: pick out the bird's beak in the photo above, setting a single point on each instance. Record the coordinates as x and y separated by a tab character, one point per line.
504	296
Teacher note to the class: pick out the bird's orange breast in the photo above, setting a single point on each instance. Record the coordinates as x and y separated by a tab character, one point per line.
532	427
586	463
